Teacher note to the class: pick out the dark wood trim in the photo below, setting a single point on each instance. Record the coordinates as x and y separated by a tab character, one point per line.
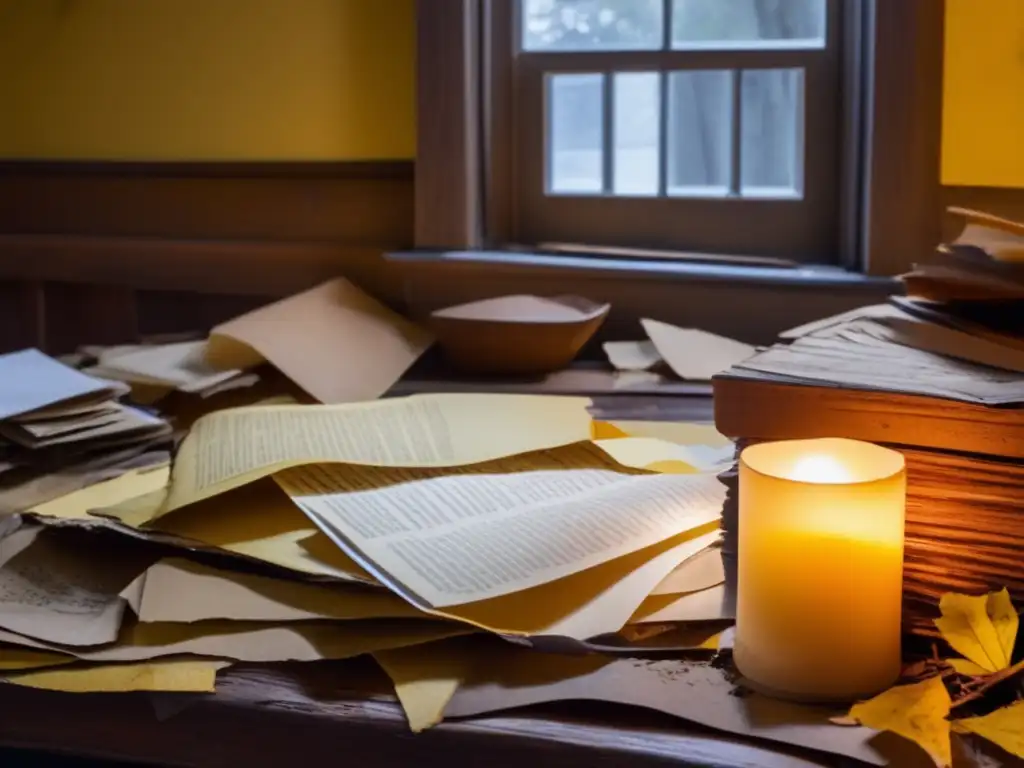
261	268
901	214
348	203
448	169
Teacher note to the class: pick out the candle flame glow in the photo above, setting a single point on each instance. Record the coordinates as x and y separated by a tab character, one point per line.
820	468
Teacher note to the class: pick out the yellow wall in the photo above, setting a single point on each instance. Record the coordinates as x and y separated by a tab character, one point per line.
207	79
983	125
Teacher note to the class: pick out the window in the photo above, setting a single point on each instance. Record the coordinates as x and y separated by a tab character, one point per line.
699	125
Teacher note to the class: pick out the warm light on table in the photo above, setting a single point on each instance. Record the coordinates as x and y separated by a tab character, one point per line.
820	567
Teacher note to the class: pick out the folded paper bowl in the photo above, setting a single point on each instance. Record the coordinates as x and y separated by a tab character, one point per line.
516	335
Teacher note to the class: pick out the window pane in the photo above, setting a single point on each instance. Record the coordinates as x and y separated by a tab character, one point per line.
771	140
637	128
700	133
591	25
748	23
576	133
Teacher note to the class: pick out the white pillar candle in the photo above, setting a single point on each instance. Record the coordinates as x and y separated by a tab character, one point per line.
820	577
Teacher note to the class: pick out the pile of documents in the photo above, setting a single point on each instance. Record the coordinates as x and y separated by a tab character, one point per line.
938	374
309	532
61	429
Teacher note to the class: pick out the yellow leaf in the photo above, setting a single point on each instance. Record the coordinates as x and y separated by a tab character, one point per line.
917	712
1004	728
969	668
981	628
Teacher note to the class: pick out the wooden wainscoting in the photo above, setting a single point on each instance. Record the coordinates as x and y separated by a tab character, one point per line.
105	252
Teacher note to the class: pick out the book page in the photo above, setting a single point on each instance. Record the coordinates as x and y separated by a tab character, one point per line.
227	449
458	539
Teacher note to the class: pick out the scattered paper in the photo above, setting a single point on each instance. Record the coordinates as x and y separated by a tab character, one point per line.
682	433
181	590
57	590
916	712
130	485
983	629
31	381
427	676
695	354
692	691
335	341
256	641
695	574
594	602
458	539
260	522
662	456
13	659
632	355
193	676
227	449
714	604
181	365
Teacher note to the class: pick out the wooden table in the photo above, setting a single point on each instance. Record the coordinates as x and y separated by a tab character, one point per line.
337	714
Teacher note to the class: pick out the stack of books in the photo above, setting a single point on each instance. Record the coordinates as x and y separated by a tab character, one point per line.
937	374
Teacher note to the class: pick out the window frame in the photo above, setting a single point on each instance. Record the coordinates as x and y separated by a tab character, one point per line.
891	120
805	228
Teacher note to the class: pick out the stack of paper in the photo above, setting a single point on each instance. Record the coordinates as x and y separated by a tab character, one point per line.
321	532
61	429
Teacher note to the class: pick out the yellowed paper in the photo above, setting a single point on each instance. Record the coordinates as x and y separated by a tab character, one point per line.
593	602
632	355
660	455
131	485
683	433
260	521
706	605
230	448
695	354
458	539
702	571
426	677
13	659
257	641
194	676
335	341
180	590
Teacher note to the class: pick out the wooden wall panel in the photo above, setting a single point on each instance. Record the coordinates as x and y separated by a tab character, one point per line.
109	252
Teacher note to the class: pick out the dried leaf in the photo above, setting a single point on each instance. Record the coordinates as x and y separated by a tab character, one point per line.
966	667
981	628
1004	728
917	712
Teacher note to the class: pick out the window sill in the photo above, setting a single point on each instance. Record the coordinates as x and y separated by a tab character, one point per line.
749	303
810	276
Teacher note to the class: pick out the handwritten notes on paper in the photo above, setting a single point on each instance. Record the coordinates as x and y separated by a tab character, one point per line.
335	341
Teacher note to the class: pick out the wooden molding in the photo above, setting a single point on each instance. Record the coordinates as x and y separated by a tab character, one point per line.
448	146
901	204
107	251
